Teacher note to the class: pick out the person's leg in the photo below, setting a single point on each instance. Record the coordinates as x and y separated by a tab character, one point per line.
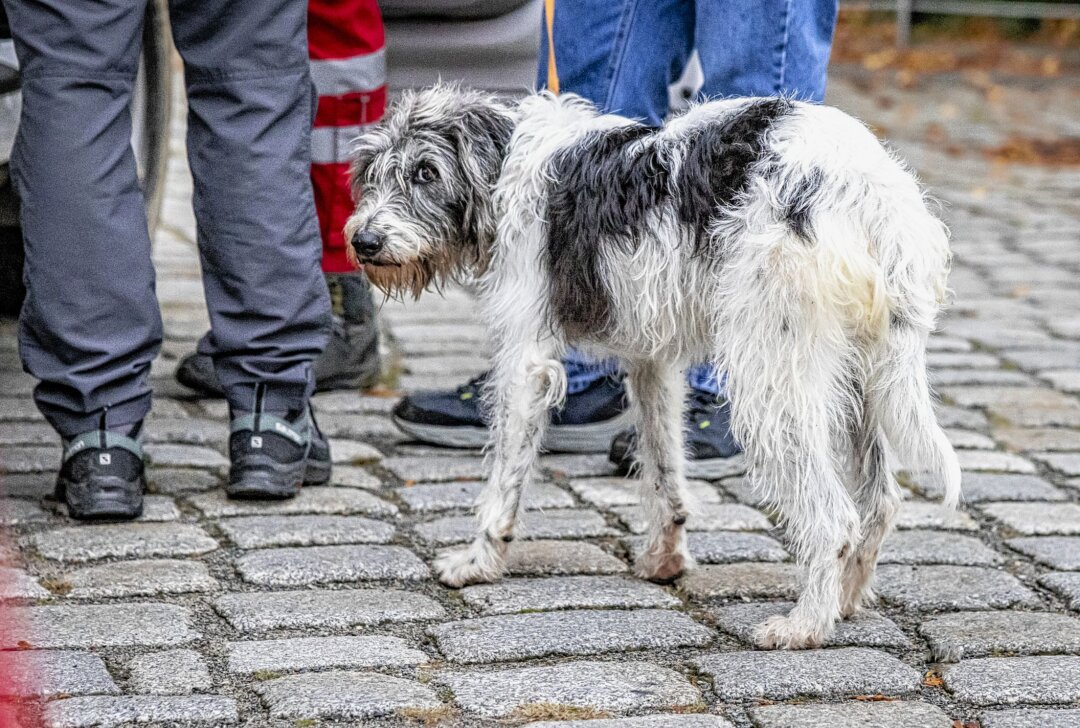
251	104
90	324
765	47
348	67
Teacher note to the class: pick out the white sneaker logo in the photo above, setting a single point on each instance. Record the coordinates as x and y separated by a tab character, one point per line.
105	458
256	441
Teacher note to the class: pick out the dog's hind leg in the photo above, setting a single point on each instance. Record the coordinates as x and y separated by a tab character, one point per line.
526	382
877	497
659	390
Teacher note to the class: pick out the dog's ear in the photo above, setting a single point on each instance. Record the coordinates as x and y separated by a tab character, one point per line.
481	134
364	149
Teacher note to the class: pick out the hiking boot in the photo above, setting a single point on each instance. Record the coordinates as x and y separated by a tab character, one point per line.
102	475
272	457
708	436
458	418
350	359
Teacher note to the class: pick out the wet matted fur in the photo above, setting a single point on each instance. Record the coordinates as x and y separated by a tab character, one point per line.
778	240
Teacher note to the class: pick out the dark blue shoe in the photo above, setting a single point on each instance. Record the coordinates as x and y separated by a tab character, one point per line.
708	435
457	418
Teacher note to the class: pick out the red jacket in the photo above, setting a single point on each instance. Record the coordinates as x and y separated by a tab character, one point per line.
348	66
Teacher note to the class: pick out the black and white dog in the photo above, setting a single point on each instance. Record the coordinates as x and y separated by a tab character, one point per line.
777	239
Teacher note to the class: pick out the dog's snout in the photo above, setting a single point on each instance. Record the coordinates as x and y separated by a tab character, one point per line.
368	243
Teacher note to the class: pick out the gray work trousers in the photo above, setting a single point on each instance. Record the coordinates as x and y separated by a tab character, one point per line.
90	325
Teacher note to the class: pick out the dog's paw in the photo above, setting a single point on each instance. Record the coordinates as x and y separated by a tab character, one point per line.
468	566
784	632
662	567
854	603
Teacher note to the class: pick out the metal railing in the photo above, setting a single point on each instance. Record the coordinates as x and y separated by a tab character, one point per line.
904	10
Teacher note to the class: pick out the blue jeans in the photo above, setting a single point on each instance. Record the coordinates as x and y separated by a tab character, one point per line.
623	54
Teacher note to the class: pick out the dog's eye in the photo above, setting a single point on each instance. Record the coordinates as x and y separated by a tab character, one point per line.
425	174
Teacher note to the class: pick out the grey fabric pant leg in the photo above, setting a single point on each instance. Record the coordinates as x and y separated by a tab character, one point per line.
90	325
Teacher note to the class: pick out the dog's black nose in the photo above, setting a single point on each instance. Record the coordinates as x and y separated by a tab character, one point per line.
367	243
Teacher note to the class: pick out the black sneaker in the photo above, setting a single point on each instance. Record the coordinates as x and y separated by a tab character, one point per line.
102	475
350	359
457	418
708	435
272	457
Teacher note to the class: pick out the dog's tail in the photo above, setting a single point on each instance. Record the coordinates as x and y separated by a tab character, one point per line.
912	248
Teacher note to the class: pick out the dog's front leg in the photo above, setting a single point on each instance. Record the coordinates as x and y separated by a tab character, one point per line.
659	390
525	386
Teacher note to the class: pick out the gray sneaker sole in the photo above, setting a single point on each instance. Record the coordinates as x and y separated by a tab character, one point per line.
590	438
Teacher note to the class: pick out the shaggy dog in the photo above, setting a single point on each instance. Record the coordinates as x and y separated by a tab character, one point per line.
774	238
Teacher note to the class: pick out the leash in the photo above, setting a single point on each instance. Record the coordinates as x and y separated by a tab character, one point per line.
552	72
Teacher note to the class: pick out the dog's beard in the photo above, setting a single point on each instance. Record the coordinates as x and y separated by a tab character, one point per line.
414	276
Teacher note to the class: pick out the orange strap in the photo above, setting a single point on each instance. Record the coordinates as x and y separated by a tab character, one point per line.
552	72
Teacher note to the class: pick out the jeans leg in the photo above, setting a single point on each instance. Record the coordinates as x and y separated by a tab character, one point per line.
90	325
620	54
250	103
765	47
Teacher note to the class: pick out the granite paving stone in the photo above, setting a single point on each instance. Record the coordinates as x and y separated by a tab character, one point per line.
432	497
177	481
747	580
565	592
329	564
567	523
16	511
618	491
164	455
984	487
159	509
17	584
879	714
324	609
109	711
123	541
934	588
925	514
642	721
1001	462
432	470
352	476
1066	463
559	558
49	673
1038	438
139	578
704	517
1058	552
309	653
1037	519
865	629
30	459
579	466
172	672
723	547
968	439
978	634
1045	680
351	452
1031	717
935	547
1065	584
250	532
111	625
782	675
323	500
587	632
613	687
344	696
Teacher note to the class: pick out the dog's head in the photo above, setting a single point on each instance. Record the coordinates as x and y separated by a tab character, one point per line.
423	180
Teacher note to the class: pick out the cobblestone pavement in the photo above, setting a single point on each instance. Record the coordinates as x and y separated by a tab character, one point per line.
323	610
